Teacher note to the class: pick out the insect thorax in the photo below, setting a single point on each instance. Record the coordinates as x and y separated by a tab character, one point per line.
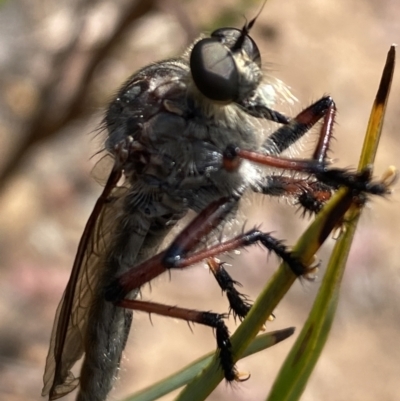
183	136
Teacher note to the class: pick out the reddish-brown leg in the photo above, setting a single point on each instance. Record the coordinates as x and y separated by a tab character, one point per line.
214	320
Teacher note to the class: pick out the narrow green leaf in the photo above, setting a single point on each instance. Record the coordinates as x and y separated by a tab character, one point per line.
301	360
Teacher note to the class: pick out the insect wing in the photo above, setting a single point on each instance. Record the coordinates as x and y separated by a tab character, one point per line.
67	338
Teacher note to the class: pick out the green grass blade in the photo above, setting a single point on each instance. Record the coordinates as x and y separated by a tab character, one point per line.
301	360
375	123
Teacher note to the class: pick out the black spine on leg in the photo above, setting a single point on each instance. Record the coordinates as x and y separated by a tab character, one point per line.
237	302
276	246
223	343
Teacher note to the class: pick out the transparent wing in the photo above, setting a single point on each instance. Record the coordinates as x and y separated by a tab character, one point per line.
67	339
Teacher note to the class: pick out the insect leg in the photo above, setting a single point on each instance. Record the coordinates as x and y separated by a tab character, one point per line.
294	129
214	320
297	127
334	177
238	303
183	253
325	134
170	259
186	241
309	194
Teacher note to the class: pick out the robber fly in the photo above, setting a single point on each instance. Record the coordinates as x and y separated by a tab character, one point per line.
183	134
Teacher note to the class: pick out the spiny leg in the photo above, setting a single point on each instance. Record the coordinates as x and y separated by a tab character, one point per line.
189	238
285	136
291	132
295	128
214	320
309	194
183	253
175	258
334	177
325	136
238	303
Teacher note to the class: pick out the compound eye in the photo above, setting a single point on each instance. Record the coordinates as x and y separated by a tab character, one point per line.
214	70
236	39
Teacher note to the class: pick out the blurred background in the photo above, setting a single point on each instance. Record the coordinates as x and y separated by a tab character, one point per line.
61	62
